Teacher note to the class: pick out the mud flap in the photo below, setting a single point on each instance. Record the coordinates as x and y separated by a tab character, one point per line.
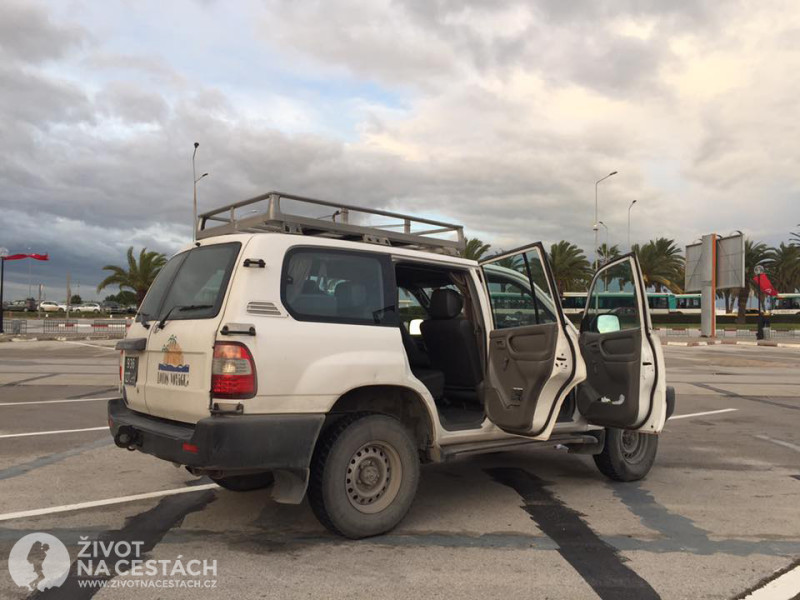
290	485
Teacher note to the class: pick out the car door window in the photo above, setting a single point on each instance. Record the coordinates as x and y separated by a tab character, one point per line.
613	294
519	292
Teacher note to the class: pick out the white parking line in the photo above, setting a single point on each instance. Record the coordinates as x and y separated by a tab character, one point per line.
784	587
700	414
16	435
112	349
108	501
55	401
789	445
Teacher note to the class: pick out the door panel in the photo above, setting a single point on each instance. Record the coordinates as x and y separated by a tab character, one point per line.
613	367
520	363
532	361
624	387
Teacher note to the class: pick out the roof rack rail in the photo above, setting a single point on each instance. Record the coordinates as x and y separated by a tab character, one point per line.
414	232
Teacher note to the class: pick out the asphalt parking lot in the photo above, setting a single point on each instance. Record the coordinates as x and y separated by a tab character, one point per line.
716	518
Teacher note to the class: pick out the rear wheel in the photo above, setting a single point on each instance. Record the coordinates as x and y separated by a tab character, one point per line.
627	455
364	475
244	483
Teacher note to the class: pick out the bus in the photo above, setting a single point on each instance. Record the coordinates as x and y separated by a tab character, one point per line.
659	303
786	304
687	304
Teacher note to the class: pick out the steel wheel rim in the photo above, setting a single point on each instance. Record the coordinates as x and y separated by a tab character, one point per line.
633	446
373	476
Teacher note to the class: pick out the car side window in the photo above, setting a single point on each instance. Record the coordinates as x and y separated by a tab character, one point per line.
514	301
339	287
613	294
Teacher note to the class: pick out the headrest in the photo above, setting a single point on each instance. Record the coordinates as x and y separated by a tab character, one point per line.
310	287
350	294
446	304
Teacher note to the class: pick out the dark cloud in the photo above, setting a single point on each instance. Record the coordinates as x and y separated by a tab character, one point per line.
28	35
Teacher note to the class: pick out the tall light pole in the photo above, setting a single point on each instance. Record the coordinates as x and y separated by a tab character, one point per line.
629	225
596	216
196	179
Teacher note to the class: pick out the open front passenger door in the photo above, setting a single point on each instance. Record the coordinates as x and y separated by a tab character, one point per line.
625	385
533	360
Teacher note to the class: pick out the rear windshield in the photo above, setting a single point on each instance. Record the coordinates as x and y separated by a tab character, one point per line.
192	284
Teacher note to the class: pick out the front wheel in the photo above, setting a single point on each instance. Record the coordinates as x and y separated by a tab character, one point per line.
364	475
627	455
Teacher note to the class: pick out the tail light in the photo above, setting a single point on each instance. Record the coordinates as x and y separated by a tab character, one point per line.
233	373
121	354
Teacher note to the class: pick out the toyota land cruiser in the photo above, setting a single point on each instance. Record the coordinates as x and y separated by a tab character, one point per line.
330	357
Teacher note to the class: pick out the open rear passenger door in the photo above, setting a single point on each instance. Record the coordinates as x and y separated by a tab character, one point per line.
532	356
625	385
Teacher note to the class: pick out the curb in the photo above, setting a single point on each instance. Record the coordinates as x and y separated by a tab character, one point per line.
714	342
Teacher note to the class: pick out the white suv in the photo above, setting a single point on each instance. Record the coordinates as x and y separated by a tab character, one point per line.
277	348
88	307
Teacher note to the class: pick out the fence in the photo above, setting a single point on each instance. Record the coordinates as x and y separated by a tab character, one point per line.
69	327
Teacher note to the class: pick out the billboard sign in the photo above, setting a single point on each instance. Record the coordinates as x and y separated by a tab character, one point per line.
730	262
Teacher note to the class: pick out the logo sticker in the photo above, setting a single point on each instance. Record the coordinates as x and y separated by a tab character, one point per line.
173	370
39	561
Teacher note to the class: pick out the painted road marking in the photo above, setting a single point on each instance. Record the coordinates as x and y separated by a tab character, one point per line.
112	349
55	401
700	414
106	502
16	435
784	587
789	445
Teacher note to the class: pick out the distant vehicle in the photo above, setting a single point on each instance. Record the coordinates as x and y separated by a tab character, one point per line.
786	304
27	305
687	304
113	308
90	307
51	306
574	303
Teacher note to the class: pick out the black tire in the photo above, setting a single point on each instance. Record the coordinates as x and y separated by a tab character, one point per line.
627	455
363	451
245	483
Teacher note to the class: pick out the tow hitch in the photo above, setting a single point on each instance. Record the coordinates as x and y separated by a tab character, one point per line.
127	437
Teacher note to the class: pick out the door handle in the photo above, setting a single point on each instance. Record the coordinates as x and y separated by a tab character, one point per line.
647	364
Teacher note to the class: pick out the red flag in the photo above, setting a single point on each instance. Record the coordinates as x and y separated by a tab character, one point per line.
763	282
21	256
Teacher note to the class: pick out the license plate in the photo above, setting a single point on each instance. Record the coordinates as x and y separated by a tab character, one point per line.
131	370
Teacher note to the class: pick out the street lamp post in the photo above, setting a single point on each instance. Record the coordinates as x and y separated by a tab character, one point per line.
196	179
629	225
596	216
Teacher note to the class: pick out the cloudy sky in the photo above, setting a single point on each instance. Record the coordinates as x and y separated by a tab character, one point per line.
497	115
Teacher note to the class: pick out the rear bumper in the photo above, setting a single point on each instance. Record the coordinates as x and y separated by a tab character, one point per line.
226	442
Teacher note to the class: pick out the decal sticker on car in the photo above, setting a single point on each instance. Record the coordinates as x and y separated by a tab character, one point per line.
173	370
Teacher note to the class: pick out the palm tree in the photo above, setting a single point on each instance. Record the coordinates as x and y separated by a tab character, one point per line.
475	249
571	269
608	253
138	276
661	263
795	235
755	253
783	267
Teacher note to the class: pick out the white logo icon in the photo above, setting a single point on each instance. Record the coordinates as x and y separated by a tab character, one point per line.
39	561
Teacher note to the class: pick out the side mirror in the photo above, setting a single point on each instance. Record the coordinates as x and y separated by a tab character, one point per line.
607	323
414	327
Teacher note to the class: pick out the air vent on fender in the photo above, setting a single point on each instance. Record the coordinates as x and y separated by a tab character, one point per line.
266	309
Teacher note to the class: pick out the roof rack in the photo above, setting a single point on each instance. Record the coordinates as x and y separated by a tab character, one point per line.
406	231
